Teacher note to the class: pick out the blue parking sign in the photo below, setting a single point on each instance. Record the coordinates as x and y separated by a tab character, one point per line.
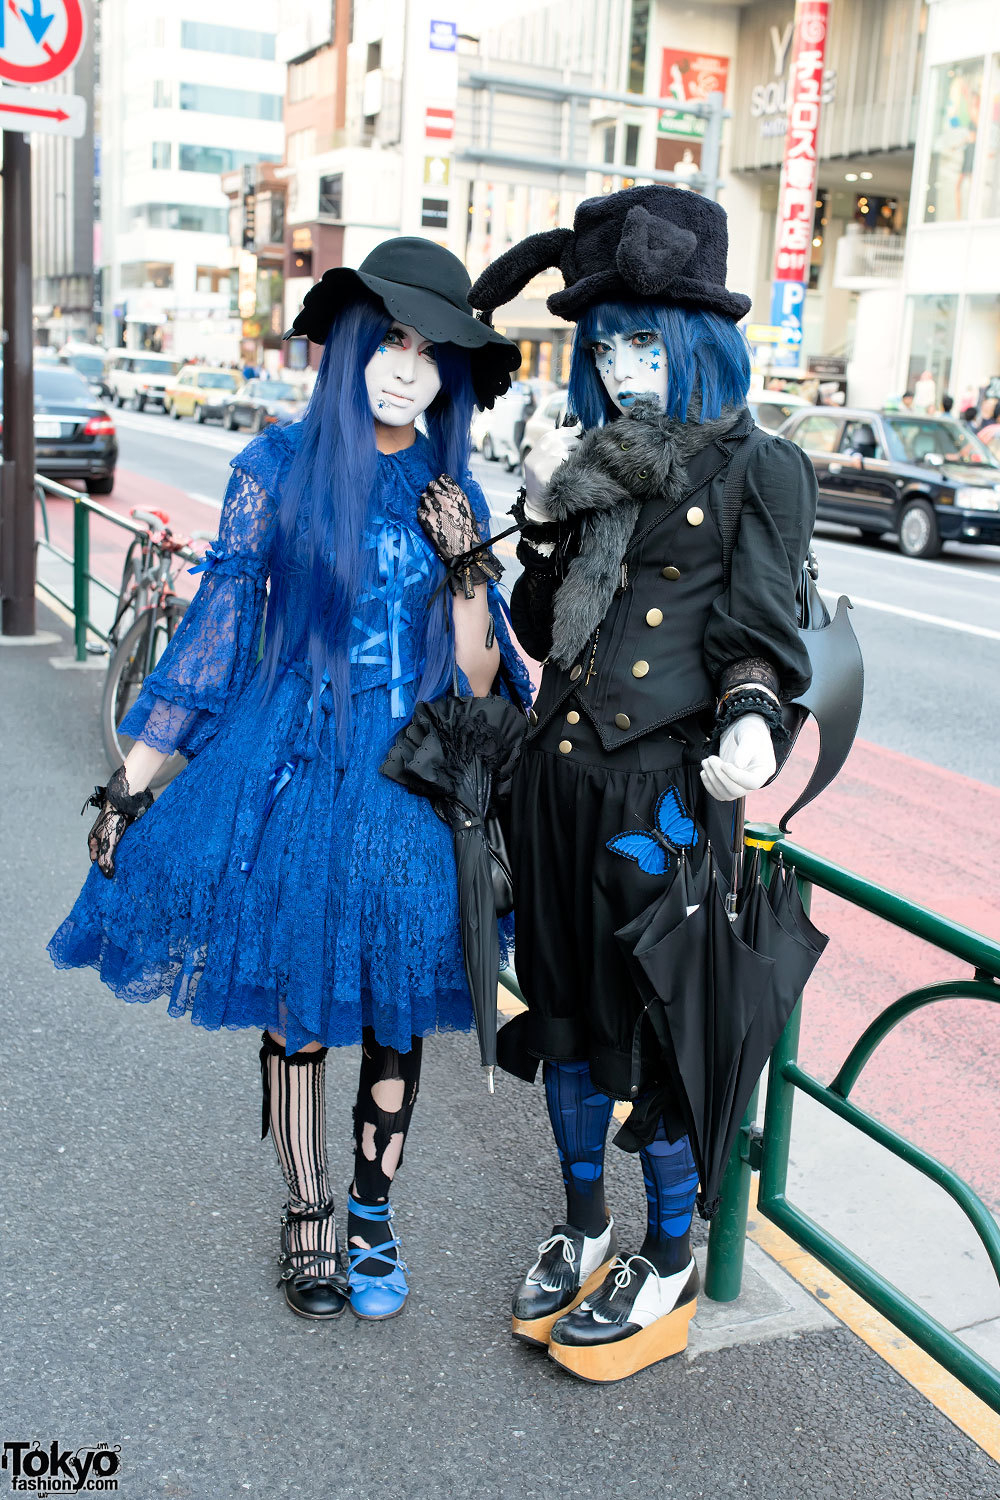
788	300
444	36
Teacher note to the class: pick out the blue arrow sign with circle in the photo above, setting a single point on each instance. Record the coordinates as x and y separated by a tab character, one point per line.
39	39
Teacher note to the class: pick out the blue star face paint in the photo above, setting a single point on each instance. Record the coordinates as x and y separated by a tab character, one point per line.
401	377
631	365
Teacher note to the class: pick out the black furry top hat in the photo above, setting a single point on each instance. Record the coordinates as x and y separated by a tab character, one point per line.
425	287
646	244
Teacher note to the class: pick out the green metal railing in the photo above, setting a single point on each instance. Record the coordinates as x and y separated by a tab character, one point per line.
766	1150
79	560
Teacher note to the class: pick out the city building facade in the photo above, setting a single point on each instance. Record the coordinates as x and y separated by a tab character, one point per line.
191	90
951	316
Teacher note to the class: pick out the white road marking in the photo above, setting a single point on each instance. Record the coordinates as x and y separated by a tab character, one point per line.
857	550
204	499
915	614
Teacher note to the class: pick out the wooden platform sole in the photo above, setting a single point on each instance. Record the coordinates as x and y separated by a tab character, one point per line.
536	1330
602	1363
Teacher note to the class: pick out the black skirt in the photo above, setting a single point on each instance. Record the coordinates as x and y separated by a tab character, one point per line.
573	893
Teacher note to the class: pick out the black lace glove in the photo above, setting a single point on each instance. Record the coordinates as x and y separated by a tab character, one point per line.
446	517
119	809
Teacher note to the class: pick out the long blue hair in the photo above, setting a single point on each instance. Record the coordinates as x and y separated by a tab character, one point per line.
319	562
706	353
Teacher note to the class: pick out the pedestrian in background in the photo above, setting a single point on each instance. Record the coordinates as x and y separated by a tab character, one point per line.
280	882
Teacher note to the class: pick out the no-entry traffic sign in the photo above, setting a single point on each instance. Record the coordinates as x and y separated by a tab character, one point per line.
39	39
33	112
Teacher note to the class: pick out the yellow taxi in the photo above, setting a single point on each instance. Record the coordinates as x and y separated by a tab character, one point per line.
200	391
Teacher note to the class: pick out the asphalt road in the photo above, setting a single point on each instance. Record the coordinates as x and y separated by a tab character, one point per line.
138	1304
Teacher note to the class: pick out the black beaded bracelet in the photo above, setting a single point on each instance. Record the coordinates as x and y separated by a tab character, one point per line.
749	702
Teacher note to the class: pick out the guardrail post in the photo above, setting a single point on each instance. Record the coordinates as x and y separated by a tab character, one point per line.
81	577
728	1235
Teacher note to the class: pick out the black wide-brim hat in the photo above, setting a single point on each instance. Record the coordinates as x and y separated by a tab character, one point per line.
660	245
426	287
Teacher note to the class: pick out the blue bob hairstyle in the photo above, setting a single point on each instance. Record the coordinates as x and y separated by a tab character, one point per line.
319	563
706	352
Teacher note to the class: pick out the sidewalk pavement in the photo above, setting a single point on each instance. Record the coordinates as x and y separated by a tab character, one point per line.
140	1229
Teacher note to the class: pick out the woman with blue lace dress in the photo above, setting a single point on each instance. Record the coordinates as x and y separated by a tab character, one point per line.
280	882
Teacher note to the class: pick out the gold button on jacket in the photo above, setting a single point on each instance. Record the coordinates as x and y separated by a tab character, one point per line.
640	668
575	672
671	572
572	717
565	746
623	721
695	516
654	617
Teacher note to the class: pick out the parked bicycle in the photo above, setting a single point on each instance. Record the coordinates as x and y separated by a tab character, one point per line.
147	614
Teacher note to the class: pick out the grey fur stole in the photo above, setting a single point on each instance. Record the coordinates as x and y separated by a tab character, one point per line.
609	475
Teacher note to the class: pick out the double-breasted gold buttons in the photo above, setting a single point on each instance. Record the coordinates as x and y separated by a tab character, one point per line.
640	668
565	746
572	717
670	572
623	721
654	617
695	516
575	672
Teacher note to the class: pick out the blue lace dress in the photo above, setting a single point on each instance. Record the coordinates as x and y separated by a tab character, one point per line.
278	881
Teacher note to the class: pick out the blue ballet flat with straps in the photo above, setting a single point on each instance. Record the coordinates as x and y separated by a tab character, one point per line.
376	1297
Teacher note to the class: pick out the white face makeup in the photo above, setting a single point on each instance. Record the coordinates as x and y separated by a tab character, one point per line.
401	377
630	365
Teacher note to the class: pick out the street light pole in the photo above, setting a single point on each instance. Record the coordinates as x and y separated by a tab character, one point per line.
17	489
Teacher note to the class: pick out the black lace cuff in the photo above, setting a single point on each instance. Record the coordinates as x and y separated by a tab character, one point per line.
476	566
533	531
131	805
748	701
753	669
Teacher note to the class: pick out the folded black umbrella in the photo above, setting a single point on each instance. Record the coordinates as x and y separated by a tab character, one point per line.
460	753
718	989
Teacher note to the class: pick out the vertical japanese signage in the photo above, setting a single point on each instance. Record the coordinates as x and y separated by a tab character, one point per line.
797	191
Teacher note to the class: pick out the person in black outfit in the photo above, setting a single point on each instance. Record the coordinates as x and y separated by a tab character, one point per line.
664	673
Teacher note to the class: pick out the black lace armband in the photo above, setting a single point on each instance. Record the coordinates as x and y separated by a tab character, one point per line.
119	808
753	670
748	700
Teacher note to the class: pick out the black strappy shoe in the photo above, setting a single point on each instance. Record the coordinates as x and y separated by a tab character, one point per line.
314	1281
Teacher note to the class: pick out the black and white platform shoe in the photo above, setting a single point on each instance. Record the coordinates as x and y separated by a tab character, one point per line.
569	1266
633	1320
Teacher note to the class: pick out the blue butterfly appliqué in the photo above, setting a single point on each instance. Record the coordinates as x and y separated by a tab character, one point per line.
653	851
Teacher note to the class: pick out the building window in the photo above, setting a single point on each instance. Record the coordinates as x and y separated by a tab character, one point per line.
137	274
162	94
638	40
163	153
218	159
609	142
198	36
212	279
301	145
209	99
373	59
331	196
187	216
989	200
956	93
303	80
631	145
931	340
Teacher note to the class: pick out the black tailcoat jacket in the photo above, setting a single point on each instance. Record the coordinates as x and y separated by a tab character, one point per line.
628	610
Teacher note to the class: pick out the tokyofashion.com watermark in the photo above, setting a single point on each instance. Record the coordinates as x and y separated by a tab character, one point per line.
37	1469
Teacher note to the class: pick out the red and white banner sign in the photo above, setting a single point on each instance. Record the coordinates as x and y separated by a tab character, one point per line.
440	124
797	193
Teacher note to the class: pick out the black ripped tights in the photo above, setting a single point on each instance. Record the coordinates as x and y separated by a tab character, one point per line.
387	1092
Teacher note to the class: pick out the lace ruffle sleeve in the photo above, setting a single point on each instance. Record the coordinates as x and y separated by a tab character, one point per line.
216	646
514	680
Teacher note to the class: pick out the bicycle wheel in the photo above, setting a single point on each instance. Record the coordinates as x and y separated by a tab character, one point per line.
129	594
138	654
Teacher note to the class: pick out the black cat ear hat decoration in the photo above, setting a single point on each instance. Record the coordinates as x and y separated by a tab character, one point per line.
647	244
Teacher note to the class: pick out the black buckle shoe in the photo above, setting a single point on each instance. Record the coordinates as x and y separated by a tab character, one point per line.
314	1281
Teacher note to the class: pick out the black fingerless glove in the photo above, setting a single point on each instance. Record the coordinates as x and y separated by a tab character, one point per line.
119	809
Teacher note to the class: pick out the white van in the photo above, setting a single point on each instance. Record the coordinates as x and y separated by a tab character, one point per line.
141	377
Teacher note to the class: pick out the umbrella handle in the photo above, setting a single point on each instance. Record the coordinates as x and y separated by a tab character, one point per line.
737	850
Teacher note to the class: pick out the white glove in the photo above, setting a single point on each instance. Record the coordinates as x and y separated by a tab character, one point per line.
744	763
540	465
